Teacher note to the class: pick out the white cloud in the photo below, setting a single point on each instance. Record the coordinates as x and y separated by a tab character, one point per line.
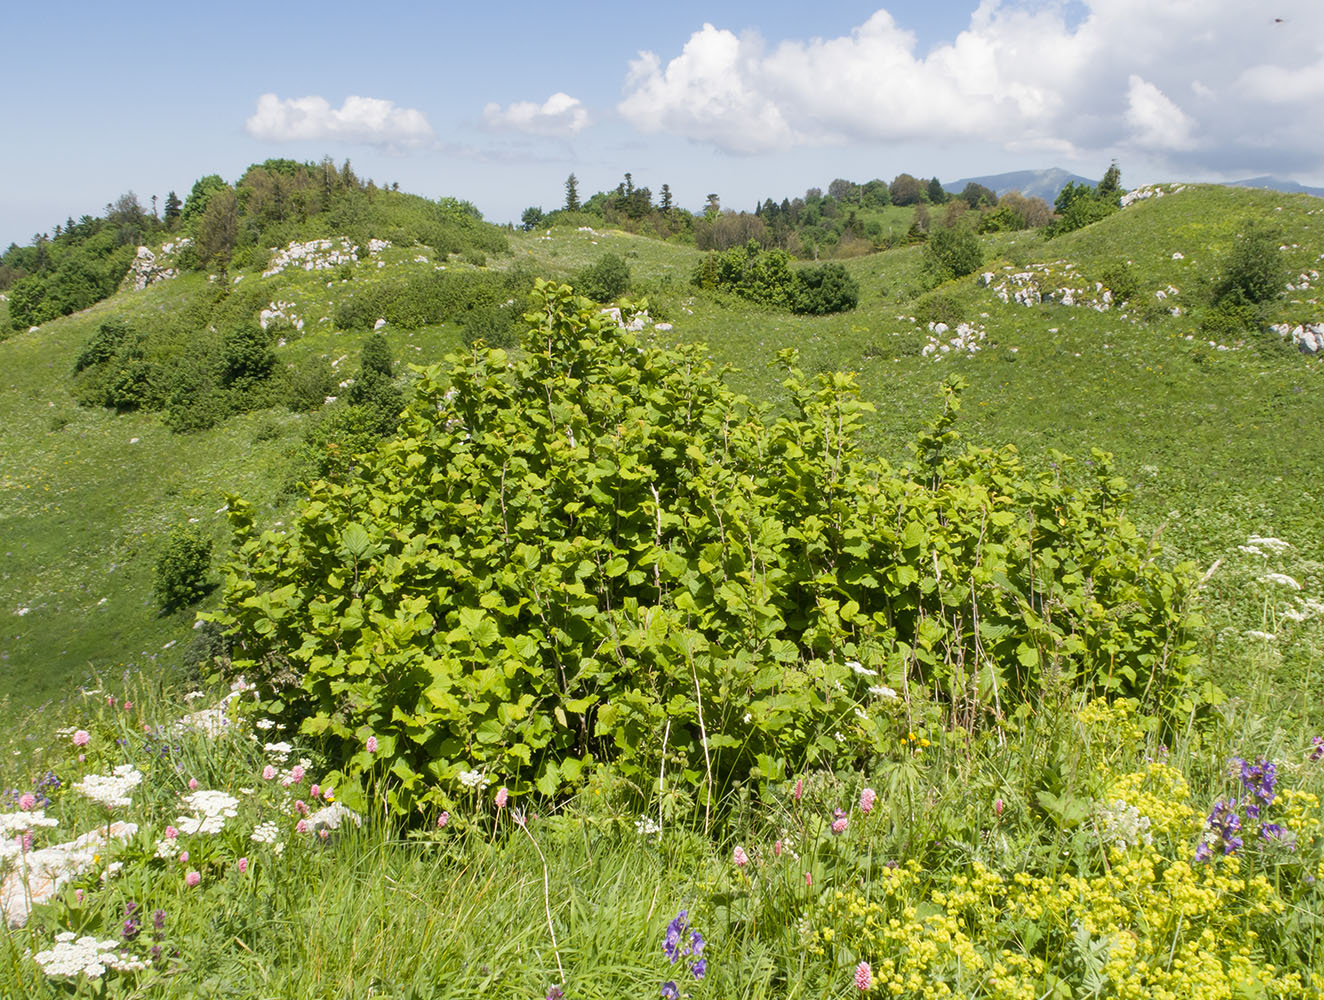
1019	75
1156	122
559	115
360	120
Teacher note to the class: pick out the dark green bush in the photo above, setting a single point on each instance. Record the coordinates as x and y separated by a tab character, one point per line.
606	280
761	276
952	252
307	385
102	345
828	288
1254	271
1120	279
181	568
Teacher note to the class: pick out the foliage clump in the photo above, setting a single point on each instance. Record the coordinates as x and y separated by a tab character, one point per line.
605	280
597	550
766	277
181	568
952	252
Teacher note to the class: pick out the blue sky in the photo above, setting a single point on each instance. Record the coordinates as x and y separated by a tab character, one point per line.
497	103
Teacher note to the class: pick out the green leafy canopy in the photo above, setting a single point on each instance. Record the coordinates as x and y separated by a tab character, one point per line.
594	549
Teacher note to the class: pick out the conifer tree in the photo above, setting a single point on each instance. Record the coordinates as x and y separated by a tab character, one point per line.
572	194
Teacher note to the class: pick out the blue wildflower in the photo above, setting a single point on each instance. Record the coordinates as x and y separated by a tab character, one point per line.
670	991
671	944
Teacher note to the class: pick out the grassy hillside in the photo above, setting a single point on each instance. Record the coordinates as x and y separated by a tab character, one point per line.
904	834
1219	444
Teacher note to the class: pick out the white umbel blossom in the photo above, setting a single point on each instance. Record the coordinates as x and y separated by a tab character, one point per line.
211	809
111	790
474	779
21	822
72	956
1122	825
265	833
331	817
1282	579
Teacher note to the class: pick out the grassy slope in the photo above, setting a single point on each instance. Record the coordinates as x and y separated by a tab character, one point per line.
1220	444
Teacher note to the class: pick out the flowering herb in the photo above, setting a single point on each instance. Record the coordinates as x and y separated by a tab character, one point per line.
682	941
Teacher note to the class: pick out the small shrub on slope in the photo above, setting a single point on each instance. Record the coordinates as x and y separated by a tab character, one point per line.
568	555
181	569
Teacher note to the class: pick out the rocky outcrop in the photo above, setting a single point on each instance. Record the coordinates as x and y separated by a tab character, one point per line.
148	268
1308	337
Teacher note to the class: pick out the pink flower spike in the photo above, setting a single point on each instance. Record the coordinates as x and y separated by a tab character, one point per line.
268	773
443	819
867	799
809	879
82	738
183	857
78	895
297	773
27	801
171	833
502	796
26	841
324	833
301	826
82	757
777	849
315	791
110	700
192	878
997	807
192	784
799	788
242	865
128	705
301	807
863	977
371	745
740	857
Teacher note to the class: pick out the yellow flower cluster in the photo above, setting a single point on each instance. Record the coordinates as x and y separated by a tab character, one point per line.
1163	930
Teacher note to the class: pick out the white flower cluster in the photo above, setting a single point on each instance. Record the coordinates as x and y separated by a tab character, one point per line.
332	816
21	822
72	956
111	790
44	872
265	833
280	312
861	669
966	340
211	809
1281	579
376	246
474	779
646	826
278	752
315	255
882	691
1122	825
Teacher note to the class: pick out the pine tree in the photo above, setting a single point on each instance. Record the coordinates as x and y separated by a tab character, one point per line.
572	194
666	199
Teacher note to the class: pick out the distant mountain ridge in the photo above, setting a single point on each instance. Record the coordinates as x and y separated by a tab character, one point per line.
1045	184
1276	184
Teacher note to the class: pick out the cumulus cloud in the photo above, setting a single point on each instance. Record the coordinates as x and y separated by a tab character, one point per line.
1156	122
368	120
559	115
1124	75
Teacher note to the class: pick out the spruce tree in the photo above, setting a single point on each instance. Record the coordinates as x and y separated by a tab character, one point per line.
572	194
